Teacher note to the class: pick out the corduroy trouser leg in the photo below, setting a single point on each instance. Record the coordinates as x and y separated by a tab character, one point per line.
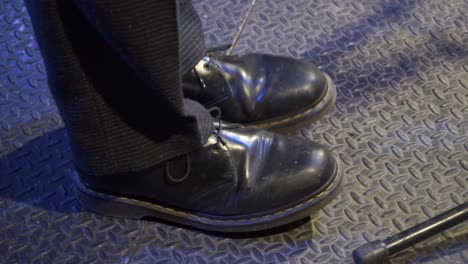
114	68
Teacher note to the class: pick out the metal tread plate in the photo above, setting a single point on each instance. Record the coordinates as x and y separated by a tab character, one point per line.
399	128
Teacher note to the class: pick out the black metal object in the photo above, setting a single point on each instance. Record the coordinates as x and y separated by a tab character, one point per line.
380	251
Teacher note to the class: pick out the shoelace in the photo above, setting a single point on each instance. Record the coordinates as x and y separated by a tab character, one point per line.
187	171
207	59
217	129
217	132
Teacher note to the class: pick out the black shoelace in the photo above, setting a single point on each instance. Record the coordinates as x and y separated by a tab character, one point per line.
216	113
219	126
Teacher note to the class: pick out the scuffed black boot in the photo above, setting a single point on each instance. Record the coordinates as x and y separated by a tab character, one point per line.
243	179
262	91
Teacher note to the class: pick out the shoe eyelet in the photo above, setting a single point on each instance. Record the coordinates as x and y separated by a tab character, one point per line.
216	149
206	66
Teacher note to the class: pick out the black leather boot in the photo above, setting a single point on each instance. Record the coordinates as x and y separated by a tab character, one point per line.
243	179
261	90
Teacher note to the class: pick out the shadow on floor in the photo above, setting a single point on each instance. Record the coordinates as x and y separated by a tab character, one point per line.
38	173
400	63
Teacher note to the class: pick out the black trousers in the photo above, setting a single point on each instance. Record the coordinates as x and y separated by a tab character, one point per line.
114	68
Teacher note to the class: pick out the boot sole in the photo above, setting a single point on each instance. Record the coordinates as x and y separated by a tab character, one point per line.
115	206
296	121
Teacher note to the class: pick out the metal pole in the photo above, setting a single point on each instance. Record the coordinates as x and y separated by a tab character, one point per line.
380	251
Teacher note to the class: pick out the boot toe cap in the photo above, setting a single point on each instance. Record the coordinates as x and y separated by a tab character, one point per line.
294	172
303	173
288	86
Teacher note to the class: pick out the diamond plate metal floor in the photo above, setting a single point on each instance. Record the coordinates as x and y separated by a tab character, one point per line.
400	127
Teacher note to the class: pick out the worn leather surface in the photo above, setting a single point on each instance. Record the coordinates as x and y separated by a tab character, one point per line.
255	87
240	171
